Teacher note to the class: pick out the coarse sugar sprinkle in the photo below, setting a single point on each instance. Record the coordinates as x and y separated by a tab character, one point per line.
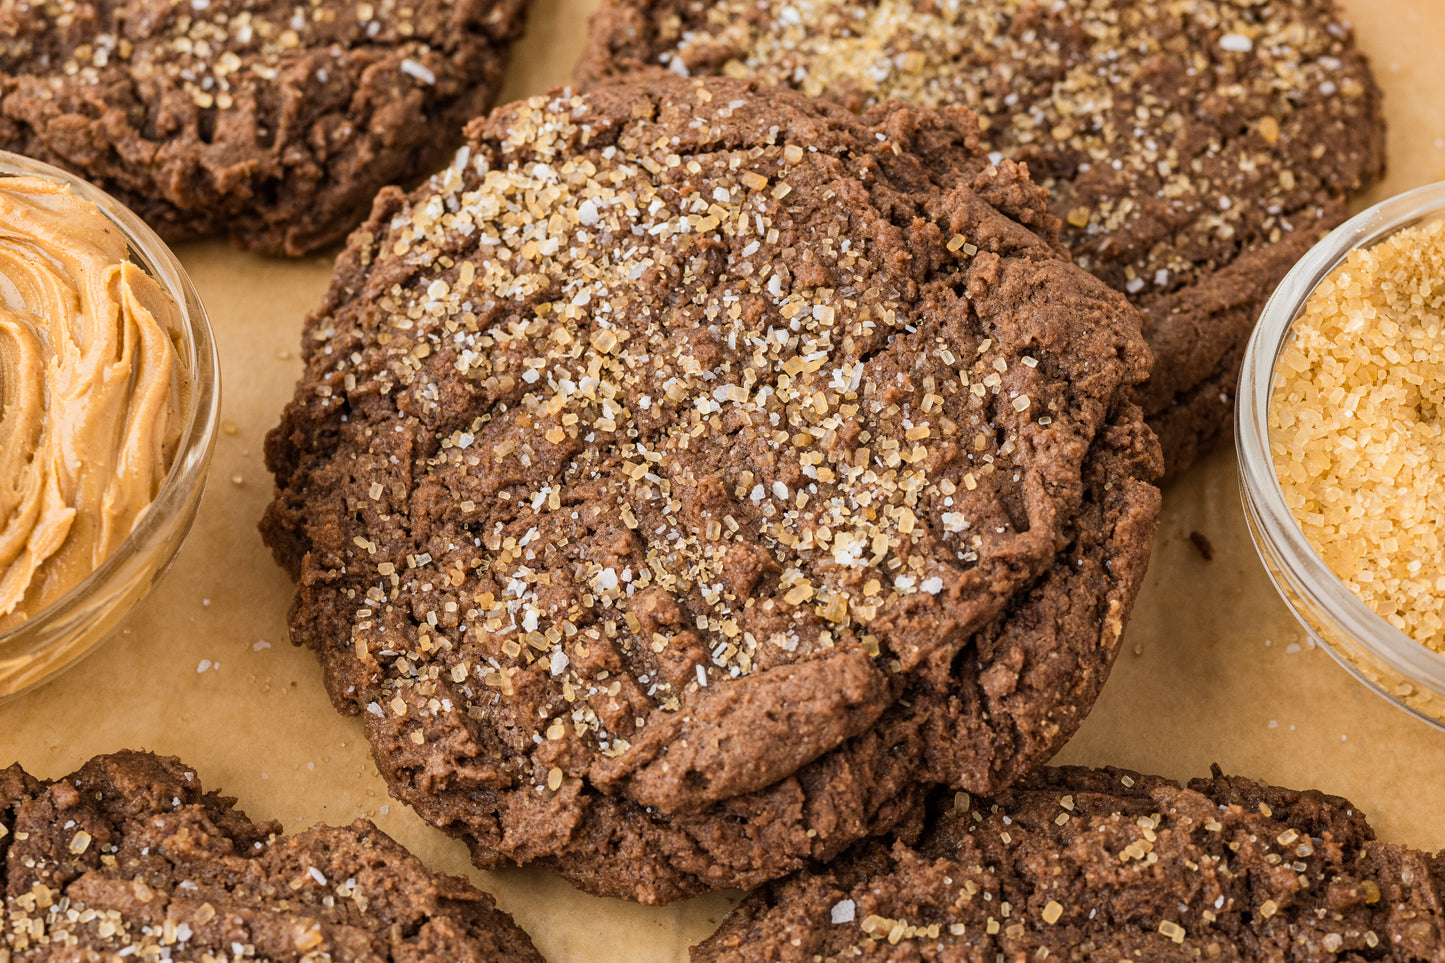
1355	429
612	394
1074	87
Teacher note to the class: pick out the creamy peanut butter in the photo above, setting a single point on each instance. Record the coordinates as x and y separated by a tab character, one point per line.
90	392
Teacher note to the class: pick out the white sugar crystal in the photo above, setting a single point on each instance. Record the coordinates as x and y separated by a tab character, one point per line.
417	72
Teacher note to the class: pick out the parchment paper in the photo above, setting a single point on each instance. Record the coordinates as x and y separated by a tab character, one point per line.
1213	670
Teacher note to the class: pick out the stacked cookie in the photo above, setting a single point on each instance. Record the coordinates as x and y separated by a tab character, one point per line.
694	472
699	481
1194	151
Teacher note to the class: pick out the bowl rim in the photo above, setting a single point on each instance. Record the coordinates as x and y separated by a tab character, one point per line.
197	440
1278	536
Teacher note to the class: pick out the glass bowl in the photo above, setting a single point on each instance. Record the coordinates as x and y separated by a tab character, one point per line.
1374	651
58	635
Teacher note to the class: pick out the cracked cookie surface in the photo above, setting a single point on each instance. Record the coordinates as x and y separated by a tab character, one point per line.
1194	151
1106	864
270	121
693	471
128	857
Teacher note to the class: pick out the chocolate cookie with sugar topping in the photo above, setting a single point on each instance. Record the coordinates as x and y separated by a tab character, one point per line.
1106	864
693	471
274	122
1194	150
129	858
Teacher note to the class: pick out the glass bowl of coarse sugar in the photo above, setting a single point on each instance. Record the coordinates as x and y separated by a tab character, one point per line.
1341	436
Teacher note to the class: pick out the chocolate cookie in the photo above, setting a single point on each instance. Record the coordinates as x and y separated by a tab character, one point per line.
271	121
693	470
1193	150
129	858
1107	865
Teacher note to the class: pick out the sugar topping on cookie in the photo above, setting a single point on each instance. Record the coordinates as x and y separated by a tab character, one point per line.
272	121
1193	150
1092	82
680	435
675	302
204	46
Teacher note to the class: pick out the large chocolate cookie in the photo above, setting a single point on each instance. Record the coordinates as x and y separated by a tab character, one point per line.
693	470
128	858
1106	865
272	121
1194	150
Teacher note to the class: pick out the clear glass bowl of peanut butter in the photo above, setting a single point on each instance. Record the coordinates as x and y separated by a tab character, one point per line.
109	396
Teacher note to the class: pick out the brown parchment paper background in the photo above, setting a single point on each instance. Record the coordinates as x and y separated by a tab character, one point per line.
1213	669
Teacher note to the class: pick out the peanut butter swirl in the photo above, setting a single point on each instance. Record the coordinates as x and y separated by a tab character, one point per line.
90	392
